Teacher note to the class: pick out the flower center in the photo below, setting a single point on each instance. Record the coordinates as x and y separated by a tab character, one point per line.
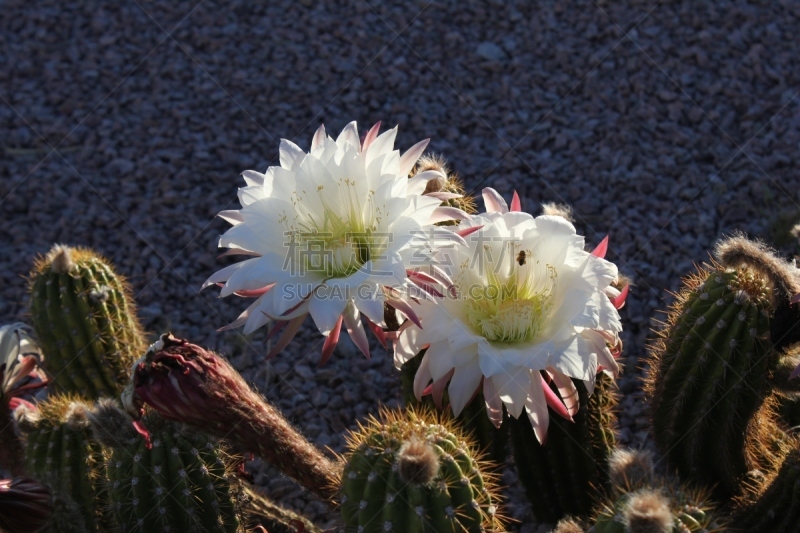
335	256
508	311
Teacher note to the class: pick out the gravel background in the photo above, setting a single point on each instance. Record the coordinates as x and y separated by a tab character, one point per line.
123	126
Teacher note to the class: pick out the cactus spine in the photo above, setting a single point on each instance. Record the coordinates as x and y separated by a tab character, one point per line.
473	419
414	473
61	451
168	481
561	475
85	321
712	413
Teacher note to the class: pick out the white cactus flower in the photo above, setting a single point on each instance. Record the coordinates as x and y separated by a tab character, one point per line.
530	307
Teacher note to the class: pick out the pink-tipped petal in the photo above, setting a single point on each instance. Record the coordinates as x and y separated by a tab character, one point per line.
795	299
410	157
231	216
494	405
601	249
439	387
516	205
255	293
567	390
372	134
286	337
536	405
319	137
493	201
443	196
355	329
141	430
554	402
442	277
795	372
236	251
330	342
619	301
428	288
469	231
422	378
445	213
376	330
404	308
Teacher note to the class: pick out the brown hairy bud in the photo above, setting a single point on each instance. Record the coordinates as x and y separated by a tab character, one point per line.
647	511
630	468
568	525
417	462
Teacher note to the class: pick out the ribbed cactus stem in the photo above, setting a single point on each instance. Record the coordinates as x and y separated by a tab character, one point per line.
561	476
712	411
169	481
61	451
85	322
414	473
186	383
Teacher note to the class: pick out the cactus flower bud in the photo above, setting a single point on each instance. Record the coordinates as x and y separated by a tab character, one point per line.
187	383
25	505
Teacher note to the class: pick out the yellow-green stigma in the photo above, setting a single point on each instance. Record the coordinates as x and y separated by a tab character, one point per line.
509	311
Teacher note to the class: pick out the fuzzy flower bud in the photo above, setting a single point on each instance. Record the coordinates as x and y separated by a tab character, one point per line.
25	505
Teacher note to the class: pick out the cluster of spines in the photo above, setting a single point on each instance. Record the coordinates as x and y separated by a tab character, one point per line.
562	476
415	472
85	322
61	451
708	383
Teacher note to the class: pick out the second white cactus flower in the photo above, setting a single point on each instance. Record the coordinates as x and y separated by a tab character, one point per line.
531	307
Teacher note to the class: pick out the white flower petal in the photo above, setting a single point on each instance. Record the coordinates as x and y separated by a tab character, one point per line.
493	201
465	382
326	312
410	157
512	387
291	155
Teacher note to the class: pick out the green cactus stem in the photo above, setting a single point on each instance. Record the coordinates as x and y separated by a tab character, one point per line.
777	506
562	476
61	451
712	406
413	472
169	481
85	321
492	441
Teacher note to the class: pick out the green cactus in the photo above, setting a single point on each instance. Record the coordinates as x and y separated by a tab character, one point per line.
640	501
777	507
473	420
713	413
415	473
561	476
167	481
61	451
85	322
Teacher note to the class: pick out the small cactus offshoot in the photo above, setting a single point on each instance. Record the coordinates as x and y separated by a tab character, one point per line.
85	321
61	451
446	187
415	472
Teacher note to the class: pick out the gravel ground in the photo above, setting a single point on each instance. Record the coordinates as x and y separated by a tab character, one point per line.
124	127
